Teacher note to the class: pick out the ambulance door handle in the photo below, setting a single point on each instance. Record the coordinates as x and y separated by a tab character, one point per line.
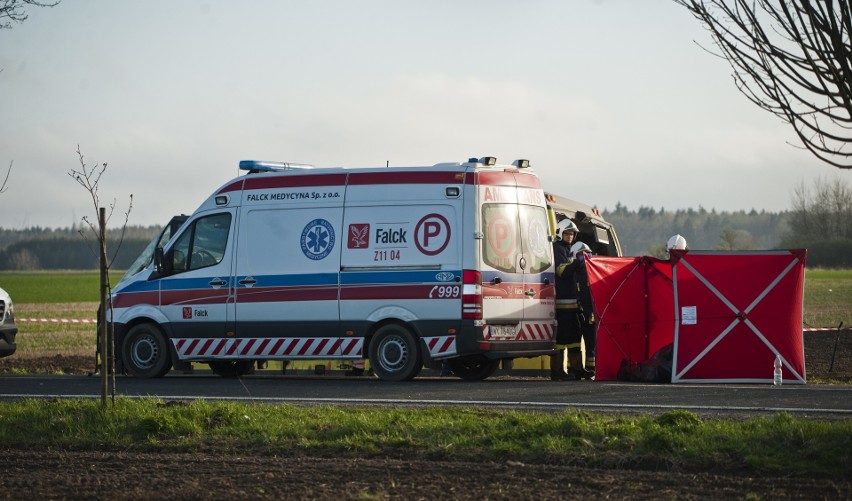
530	293
218	282
248	281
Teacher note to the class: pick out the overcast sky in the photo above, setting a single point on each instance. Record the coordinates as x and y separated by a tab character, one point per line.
611	100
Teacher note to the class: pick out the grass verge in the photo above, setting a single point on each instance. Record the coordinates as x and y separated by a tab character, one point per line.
828	298
677	440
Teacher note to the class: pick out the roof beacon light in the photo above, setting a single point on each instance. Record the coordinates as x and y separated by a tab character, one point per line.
263	166
522	163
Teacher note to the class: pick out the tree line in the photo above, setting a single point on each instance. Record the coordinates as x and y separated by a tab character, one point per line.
820	220
644	231
69	248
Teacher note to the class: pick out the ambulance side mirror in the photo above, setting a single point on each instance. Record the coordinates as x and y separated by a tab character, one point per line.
159	261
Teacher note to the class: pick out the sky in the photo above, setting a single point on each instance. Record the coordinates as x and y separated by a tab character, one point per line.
612	101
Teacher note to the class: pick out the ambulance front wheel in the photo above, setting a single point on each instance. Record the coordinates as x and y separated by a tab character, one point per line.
146	352
395	354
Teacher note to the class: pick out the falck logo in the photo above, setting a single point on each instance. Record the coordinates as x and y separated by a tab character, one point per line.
359	236
187	312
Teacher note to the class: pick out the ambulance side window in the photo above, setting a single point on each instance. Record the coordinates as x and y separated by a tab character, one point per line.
202	244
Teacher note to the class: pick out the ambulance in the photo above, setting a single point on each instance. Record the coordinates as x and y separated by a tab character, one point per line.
402	266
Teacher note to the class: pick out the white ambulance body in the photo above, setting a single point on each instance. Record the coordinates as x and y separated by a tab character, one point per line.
401	266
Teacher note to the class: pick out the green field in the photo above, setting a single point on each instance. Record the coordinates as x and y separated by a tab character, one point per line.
54	286
828	298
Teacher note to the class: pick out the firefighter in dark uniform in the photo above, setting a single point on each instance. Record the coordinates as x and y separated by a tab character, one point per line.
588	324
568	331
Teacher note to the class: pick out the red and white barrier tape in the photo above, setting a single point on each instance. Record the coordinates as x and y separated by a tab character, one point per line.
58	320
814	329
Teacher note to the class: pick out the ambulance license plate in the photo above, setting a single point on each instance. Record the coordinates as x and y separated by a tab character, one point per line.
502	331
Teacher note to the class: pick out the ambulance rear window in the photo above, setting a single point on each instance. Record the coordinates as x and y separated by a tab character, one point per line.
500	245
512	232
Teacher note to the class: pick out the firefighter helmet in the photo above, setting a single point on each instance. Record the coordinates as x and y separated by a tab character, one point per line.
676	242
563	226
579	247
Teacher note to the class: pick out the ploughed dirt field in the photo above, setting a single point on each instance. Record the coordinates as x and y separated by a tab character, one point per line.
256	474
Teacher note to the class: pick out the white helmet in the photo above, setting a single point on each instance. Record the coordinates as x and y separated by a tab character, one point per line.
676	242
580	247
563	226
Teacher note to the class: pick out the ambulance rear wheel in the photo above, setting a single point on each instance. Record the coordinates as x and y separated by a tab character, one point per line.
395	354
473	368
231	368
145	352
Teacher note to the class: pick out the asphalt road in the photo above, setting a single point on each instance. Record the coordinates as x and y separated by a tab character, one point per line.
828	401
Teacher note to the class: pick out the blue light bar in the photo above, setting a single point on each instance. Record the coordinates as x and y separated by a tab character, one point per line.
264	166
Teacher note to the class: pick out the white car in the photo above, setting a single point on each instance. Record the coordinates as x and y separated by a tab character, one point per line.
8	329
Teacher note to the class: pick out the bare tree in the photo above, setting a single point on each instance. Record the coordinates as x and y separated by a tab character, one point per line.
822	212
6	179
792	58
15	10
90	178
733	240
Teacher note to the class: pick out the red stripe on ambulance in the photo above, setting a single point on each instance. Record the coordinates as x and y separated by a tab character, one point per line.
441	345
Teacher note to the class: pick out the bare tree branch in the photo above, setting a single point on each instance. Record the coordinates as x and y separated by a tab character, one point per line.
15	10
6	179
792	58
123	231
90	178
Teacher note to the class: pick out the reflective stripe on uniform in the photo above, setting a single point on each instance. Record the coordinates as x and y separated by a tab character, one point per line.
566	304
561	268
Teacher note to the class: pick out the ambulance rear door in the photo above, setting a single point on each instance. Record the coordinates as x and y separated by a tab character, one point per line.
516	254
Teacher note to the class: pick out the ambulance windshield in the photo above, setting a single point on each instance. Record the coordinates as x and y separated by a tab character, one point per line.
147	255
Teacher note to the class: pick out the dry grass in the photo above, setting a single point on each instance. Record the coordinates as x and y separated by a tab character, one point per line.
40	339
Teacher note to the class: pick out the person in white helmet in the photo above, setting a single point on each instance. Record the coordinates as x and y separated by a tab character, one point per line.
568	330
676	242
586	314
